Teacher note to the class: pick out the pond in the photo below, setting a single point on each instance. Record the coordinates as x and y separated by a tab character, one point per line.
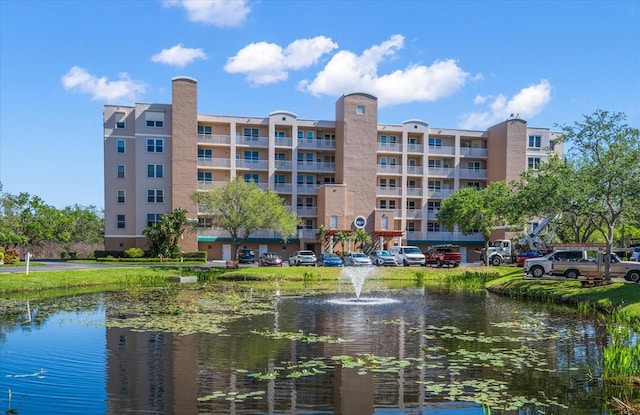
222	350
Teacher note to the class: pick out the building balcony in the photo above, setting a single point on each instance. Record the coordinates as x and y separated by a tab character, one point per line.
252	164
282	188
316	144
214	139
389	191
441	172
284	142
390	147
316	166
415	148
307	211
442	150
307	233
283	165
413	213
414	191
415	170
473	152
439	193
214	163
205	185
221	233
252	141
432	214
389	169
309	189
473	173
454	237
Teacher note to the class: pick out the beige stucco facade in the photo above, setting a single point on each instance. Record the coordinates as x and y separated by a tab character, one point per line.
394	176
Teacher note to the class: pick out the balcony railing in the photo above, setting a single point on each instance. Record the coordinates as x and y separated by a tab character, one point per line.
415	170
222	233
252	141
443	236
316	166
283	165
316	144
441	172
439	193
307	211
413	213
310	189
473	174
473	152
389	169
252	164
390	147
214	139
283	141
415	148
442	150
389	191
282	187
216	163
307	233
414	191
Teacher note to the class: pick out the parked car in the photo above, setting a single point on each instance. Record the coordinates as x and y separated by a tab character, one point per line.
523	256
539	267
302	258
441	255
383	259
357	259
329	259
247	256
270	259
407	255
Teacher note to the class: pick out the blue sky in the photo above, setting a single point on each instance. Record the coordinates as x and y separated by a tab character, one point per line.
455	64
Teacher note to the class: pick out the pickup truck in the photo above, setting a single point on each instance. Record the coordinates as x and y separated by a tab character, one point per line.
441	255
540	266
594	268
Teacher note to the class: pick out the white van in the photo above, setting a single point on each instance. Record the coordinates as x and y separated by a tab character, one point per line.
407	255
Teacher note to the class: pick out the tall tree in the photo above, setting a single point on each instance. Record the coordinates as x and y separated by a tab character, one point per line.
472	210
164	235
243	209
361	236
606	152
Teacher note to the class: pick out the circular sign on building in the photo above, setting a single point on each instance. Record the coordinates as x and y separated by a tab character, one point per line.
360	222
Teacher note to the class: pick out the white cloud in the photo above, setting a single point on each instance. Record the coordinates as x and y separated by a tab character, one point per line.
347	72
527	103
178	56
266	63
479	99
79	80
221	13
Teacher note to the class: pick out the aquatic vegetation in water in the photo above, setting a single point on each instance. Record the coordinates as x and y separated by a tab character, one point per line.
299	336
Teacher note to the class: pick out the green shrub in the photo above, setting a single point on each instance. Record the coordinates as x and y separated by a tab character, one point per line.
134	253
11	256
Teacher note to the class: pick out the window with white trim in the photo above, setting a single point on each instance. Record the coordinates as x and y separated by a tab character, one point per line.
434	184
383	183
360	110
155	170
153	218
533	163
433	206
433	227
121	171
120	196
251	133
205	176
382	203
155	145
474	165
120	118
392	204
251	177
120	221
333	222
154	119
155	196
205	154
251	156
204	130
121	146
534	141
435	142
411	226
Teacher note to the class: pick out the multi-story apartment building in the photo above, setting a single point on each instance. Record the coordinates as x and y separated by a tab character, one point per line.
342	174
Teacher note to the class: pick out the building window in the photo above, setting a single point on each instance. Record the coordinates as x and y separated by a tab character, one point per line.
251	177
435	142
155	145
534	141
411	204
309	136
251	156
433	227
251	133
333	222
477	185
392	204
120	119
205	222
204	130
309	202
204	176
552	145
435	164
392	161
384	222
121	198
411	226
205	154
360	110
155	196
533	163
155	170
310	180
154	119
120	221
120	169
280	157
474	165
153	218
383	183
279	179
434	184
392	139
383	161
308	224
121	146
392	183
280	134
411	184
383	139
433	206
382	204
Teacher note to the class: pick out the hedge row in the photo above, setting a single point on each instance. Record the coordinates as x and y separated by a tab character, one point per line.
119	255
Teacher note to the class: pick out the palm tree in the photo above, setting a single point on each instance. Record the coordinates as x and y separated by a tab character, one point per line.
341	237
362	236
320	236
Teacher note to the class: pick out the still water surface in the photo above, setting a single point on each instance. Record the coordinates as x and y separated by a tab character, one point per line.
421	352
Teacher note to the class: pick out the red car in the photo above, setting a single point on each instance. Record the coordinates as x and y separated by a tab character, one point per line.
270	259
441	255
